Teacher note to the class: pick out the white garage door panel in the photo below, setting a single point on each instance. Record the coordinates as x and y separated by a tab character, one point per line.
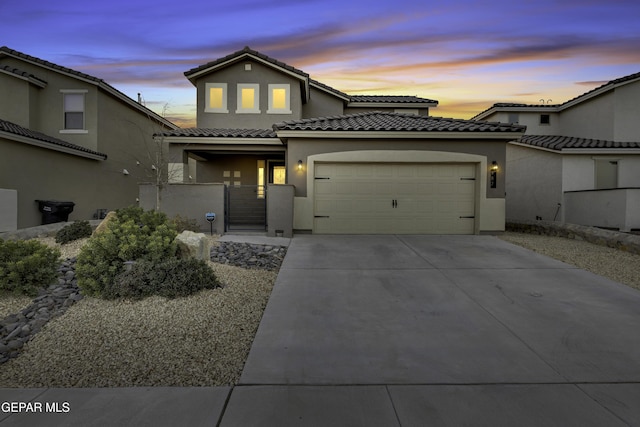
352	198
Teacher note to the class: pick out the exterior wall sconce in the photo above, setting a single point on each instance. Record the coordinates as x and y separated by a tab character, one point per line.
493	174
300	165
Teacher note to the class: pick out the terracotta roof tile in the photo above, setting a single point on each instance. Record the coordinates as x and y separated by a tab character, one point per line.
15	129
560	143
396	122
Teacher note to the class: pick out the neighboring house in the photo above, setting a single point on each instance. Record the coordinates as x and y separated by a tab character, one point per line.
290	153
579	162
68	136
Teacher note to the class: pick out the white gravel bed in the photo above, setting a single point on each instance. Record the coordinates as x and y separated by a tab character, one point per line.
201	340
617	265
10	304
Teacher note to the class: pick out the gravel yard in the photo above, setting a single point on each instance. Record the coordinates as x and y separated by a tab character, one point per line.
620	266
204	339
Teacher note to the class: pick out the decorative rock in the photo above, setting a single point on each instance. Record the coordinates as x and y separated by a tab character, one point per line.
17	329
264	257
191	244
105	223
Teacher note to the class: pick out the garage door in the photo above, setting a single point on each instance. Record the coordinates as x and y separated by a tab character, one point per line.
390	198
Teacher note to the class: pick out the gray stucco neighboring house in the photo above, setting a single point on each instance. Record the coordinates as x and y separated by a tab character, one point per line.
69	136
277	150
579	161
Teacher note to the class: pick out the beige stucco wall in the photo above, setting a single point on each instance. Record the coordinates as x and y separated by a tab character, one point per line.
39	173
302	148
534	183
15	98
236	74
191	201
280	210
617	209
322	104
593	118
627	113
8	210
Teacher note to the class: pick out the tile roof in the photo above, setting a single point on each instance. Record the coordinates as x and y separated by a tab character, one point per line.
23	74
395	122
98	81
392	99
15	129
246	51
561	143
220	133
605	87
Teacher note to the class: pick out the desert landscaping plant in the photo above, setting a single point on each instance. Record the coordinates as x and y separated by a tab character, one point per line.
74	231
132	235
27	266
170	279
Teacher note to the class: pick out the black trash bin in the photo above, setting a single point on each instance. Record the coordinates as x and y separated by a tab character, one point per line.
55	211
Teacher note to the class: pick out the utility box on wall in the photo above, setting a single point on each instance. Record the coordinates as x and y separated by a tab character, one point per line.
8	210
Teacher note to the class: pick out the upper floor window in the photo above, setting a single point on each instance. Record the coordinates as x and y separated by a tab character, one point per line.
73	104
248	98
514	118
216	98
545	119
279	99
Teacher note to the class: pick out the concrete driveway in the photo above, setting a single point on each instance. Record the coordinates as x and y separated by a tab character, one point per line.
405	331
439	330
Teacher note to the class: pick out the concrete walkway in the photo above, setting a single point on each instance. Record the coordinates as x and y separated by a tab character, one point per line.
407	331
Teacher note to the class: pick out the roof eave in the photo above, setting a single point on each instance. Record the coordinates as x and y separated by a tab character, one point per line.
360	104
52	146
398	134
578	150
197	140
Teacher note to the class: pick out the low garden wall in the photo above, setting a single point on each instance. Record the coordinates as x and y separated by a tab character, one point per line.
613	239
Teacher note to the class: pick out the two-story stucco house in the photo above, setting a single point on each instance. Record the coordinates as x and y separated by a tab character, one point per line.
277	149
68	136
579	162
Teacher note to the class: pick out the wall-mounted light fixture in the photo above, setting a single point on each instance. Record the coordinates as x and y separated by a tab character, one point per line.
494	174
299	165
125	172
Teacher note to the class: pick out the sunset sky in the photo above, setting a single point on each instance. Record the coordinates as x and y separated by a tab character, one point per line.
466	54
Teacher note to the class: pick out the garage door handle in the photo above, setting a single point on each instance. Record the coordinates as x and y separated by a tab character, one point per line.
394	203
472	216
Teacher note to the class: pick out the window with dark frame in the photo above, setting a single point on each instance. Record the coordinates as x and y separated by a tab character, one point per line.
545	119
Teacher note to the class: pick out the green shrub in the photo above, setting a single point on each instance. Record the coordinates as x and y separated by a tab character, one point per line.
74	231
133	235
27	266
183	223
171	279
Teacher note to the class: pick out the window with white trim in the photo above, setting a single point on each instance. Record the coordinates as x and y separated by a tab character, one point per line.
73	107
279	99
248	98
216	98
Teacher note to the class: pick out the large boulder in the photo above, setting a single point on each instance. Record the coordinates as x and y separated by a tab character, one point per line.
196	245
102	227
